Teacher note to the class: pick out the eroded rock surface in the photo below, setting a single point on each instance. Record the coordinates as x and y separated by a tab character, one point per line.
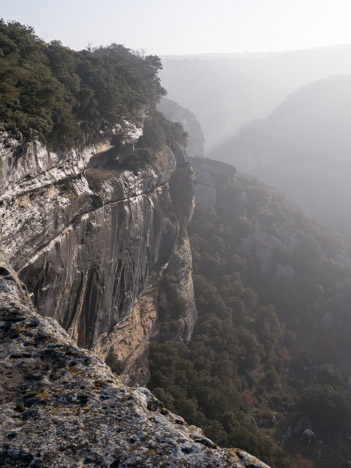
209	174
91	237
60	406
177	311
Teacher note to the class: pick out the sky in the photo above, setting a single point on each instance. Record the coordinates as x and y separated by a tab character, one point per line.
187	26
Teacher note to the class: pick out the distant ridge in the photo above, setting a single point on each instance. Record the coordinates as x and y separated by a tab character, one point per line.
220	55
227	91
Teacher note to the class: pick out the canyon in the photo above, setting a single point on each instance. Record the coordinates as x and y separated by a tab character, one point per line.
87	247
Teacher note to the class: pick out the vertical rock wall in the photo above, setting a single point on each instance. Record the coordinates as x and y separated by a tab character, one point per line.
91	239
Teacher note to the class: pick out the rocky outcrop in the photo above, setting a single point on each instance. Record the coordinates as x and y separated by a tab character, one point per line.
183	195
60	406
96	242
177	311
128	343
259	246
208	174
90	237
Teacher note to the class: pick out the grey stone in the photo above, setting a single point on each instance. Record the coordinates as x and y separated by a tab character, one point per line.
66	430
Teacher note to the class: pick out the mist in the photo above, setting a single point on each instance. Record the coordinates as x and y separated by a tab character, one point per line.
174	218
227	91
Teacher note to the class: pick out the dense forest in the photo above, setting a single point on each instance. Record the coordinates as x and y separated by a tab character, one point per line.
269	354
70	98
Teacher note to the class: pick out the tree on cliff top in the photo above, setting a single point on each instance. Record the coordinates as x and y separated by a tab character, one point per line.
67	97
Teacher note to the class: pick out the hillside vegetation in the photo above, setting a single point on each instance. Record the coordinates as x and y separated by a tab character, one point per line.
70	98
270	352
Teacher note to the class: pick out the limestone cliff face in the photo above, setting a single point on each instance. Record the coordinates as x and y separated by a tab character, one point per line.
96	244
209	174
91	237
177	312
60	406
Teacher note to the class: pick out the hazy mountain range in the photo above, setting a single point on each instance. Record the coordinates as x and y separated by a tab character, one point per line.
304	148
226	91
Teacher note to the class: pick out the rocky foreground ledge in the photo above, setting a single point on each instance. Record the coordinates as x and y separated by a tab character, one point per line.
61	406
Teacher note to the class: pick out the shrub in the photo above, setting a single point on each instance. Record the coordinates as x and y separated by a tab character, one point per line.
325	405
115	364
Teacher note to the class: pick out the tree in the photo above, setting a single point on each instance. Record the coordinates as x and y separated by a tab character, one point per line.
325	405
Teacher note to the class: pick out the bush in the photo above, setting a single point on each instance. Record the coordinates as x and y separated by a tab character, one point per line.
329	376
115	364
325	405
271	379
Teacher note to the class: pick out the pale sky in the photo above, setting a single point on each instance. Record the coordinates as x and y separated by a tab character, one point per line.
187	26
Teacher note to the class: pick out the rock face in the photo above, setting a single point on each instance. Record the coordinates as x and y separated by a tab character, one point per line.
178	286
95	242
60	406
208	174
258	245
91	237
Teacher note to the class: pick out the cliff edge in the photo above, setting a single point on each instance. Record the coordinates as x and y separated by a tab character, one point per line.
91	235
61	406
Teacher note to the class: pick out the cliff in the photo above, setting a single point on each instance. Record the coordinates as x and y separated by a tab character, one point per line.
91	240
103	250
90	237
210	174
61	406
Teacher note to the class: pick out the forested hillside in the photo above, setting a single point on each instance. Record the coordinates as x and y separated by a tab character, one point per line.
269	357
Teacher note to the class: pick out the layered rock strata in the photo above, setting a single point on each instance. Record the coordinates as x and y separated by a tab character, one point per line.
209	175
90	237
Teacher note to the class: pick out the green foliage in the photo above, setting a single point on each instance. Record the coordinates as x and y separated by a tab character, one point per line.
326	405
260	338
159	131
271	379
330	376
115	364
179	308
70	98
154	136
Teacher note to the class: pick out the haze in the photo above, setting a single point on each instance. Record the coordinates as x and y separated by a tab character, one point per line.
135	207
231	63
188	27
